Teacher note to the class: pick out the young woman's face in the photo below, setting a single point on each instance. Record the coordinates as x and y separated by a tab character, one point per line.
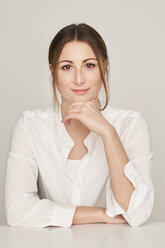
78	70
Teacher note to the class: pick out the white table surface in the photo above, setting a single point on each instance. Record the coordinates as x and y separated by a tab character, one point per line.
148	235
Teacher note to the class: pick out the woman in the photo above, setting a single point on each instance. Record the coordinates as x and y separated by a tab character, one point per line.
83	163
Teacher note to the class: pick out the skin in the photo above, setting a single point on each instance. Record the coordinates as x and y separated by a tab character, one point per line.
77	75
80	112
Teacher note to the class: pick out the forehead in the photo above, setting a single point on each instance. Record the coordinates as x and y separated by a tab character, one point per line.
76	49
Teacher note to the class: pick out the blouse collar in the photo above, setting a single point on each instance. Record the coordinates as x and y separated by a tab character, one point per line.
68	143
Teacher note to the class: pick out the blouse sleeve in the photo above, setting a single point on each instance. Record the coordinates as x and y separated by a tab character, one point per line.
138	170
22	203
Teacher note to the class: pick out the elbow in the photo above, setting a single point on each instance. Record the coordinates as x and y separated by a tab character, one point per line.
136	223
10	222
14	215
18	209
139	216
12	219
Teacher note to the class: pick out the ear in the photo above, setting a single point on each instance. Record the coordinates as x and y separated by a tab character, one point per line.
50	67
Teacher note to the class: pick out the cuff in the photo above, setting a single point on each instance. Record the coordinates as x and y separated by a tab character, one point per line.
63	215
137	197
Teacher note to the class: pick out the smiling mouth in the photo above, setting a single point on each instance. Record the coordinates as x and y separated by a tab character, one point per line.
79	92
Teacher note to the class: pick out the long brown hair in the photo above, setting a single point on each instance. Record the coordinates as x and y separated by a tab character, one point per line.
85	33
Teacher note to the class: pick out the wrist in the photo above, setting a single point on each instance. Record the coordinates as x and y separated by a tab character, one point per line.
108	132
99	214
102	214
86	214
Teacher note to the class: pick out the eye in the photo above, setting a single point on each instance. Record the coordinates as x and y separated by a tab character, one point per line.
65	66
90	65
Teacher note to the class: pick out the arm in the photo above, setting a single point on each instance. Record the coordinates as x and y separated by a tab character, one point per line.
87	215
117	159
131	193
23	206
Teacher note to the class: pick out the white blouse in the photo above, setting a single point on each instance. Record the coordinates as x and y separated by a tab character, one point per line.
43	187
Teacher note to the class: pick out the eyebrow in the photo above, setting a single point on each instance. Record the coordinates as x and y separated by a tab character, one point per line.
72	61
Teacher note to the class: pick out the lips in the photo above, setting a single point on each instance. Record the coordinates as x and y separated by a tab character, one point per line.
80	91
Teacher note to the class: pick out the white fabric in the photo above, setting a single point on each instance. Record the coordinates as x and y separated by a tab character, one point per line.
41	188
75	167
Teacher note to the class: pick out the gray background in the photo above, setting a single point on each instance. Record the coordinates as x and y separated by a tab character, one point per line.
134	34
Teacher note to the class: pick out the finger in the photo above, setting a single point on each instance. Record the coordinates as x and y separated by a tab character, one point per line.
72	115
72	106
75	109
76	104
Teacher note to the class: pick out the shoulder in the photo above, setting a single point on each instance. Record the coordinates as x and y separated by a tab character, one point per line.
38	113
125	119
35	117
116	113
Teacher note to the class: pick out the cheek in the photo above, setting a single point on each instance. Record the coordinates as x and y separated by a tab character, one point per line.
62	81
96	79
94	75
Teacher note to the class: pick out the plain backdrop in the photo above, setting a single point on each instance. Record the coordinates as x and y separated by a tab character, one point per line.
134	33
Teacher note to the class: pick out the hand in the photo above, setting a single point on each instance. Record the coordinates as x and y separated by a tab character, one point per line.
118	219
89	115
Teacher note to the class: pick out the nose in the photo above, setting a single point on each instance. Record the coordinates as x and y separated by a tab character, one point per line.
78	77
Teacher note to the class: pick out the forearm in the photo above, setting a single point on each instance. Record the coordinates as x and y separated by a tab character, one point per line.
117	158
87	215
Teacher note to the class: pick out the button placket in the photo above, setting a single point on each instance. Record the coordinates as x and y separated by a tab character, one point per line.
76	194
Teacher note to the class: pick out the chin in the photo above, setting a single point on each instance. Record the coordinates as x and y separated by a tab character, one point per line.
83	99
